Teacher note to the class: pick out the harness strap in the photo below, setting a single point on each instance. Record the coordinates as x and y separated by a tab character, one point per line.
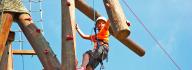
104	52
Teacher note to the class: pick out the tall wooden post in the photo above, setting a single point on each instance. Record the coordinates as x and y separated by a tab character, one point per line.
117	18
10	58
5	23
68	35
39	43
83	7
7	60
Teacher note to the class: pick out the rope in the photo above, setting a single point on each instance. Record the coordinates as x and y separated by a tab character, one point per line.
94	11
40	10
23	62
41	16
95	29
21	48
152	36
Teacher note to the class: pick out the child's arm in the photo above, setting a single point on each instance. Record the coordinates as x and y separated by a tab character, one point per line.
107	24
88	37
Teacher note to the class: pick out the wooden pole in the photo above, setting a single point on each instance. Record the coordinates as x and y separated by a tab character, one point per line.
117	18
11	38
10	58
68	35
83	7
39	43
6	20
7	60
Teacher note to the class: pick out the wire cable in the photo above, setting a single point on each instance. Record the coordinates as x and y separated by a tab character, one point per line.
21	48
152	36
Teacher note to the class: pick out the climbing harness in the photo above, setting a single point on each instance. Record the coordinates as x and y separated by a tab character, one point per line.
103	50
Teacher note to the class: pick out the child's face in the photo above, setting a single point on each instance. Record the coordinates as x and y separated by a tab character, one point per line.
100	24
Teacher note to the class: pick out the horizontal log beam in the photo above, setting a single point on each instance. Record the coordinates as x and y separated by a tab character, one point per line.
24	52
87	10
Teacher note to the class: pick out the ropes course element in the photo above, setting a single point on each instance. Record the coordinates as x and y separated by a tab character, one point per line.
23	62
152	36
21	48
95	28
95	31
40	10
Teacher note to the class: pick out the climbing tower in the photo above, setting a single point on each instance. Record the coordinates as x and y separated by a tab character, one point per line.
20	43
33	31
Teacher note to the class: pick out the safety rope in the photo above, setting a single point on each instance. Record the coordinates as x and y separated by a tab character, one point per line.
95	28
152	36
94	19
21	48
23	62
95	31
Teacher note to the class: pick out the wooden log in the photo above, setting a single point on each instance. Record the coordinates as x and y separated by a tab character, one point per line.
11	38
24	52
89	11
10	58
68	35
5	25
117	18
7	59
133	46
82	6
38	43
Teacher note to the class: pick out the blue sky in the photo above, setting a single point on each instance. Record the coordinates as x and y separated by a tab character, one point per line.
168	20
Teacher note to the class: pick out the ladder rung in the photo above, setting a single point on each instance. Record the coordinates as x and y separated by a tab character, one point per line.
35	10
24	52
36	1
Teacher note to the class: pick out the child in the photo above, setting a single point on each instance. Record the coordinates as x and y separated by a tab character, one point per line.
92	58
